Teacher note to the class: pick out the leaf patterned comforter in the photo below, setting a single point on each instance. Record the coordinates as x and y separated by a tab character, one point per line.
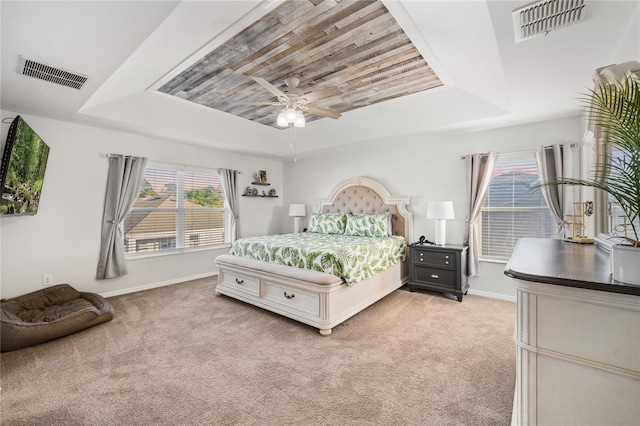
351	258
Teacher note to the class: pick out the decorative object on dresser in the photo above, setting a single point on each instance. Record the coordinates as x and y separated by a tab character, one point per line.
440	211
439	268
297	211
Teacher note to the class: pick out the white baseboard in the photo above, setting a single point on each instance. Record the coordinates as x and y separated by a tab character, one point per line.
492	295
488	294
156	285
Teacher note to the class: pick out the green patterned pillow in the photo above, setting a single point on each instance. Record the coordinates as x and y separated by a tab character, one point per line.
327	223
368	225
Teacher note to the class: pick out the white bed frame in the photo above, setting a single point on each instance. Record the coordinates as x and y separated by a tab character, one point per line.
315	298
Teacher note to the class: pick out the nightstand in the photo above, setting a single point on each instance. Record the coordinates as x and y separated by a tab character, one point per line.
439	268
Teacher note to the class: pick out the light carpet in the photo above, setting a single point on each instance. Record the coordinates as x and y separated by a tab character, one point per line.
180	355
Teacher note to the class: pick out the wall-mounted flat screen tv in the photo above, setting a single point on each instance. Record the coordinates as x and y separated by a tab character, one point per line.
22	170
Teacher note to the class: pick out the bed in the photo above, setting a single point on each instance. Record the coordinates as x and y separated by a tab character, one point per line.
324	296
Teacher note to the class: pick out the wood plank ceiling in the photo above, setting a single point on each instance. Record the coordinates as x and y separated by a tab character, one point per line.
354	45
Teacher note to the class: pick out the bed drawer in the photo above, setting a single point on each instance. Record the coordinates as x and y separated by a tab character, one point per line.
305	301
243	283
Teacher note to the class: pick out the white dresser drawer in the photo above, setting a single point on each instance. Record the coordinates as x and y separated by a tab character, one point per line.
304	301
243	283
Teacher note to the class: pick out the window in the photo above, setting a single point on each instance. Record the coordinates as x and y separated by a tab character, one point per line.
512	209
176	209
617	223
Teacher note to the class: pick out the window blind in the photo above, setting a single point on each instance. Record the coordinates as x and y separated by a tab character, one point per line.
512	208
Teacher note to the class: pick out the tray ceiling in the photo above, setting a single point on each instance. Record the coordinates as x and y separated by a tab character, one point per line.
353	45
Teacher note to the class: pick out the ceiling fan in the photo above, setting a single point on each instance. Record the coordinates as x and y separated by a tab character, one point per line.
295	102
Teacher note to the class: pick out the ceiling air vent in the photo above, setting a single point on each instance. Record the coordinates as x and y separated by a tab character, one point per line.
48	73
548	15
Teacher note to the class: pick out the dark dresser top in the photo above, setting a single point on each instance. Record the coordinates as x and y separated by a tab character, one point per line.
552	261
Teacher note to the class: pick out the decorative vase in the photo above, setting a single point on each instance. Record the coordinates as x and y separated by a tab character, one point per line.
625	264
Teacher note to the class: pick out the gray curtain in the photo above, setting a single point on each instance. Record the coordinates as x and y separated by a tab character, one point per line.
550	162
123	184
230	186
479	170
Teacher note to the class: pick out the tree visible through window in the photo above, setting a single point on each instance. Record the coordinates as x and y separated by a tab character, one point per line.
176	210
512	208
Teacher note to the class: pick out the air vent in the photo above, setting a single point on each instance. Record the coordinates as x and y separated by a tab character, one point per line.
48	73
544	16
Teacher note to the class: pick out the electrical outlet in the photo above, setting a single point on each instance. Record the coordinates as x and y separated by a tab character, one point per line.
47	280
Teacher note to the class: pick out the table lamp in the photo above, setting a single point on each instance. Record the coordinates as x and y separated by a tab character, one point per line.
440	211
297	211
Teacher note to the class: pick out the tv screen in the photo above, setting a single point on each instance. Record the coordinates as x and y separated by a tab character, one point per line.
22	170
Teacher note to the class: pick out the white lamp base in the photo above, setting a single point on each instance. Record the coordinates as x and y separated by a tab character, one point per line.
441	232
296	225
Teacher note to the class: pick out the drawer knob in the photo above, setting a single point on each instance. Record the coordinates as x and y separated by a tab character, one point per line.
434	276
446	262
446	257
239	281
289	296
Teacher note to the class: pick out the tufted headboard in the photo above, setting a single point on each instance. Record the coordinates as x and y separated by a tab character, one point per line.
359	195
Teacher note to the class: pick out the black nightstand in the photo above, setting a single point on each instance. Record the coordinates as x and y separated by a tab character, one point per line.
439	268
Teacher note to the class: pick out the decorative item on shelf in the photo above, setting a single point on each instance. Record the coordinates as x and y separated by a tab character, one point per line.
263	176
577	223
248	190
272	193
254	192
440	211
297	211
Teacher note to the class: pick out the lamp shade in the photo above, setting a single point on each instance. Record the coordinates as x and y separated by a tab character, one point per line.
282	119
300	121
297	210
440	210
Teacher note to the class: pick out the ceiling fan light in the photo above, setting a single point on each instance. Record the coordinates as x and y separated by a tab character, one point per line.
291	115
300	121
282	119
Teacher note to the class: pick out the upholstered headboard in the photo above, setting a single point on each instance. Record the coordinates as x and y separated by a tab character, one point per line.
361	195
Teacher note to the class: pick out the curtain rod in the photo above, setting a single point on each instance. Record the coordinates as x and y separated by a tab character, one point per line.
571	145
170	164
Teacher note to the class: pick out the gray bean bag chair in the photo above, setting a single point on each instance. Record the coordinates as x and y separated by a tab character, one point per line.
48	314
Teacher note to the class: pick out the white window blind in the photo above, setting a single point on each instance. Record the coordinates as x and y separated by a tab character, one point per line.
176	209
618	224
512	209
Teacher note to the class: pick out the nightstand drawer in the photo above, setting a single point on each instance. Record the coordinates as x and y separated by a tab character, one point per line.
443	277
434	258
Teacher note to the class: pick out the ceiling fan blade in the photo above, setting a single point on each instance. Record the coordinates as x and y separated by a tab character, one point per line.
270	87
321	94
323	112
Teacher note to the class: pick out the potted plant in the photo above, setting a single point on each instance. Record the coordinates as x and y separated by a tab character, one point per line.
615	109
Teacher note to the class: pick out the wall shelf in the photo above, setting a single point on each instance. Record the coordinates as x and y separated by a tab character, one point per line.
260	196
260	183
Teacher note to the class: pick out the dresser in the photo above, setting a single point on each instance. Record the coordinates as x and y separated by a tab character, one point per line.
439	268
577	337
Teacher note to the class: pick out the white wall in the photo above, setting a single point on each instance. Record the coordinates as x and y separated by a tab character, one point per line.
427	168
63	238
